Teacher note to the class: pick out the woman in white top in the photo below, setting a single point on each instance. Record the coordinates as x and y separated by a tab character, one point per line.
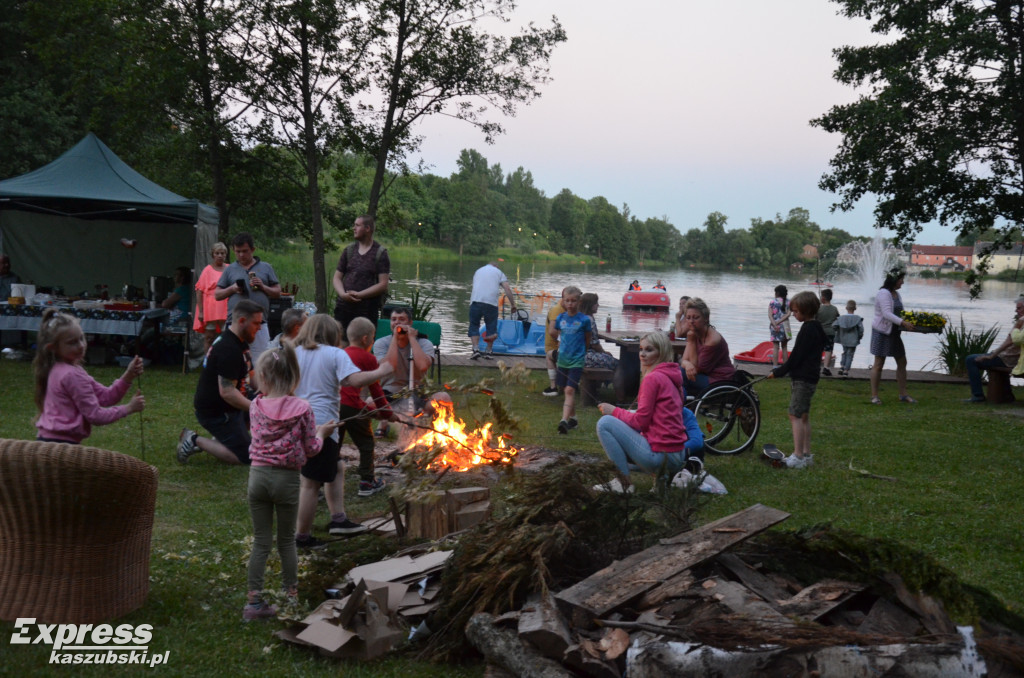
885	334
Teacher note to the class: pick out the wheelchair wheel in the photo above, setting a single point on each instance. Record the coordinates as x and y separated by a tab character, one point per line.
729	417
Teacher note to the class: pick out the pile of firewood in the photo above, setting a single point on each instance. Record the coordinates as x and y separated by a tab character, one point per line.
694	605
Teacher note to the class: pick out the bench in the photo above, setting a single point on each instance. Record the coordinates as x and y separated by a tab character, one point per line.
591	381
998	389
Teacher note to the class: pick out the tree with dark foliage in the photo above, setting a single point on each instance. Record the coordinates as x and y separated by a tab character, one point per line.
939	133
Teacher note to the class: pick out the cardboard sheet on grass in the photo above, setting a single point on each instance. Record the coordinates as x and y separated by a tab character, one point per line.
367	622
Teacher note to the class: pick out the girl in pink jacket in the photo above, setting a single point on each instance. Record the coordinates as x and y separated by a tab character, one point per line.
655	436
284	434
70	402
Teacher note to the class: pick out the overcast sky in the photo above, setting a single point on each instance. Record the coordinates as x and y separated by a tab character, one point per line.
680	109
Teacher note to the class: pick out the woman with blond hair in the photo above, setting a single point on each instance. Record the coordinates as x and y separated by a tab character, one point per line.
655	436
324	368
210	313
706	359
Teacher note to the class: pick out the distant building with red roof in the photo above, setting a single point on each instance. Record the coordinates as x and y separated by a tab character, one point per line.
941	256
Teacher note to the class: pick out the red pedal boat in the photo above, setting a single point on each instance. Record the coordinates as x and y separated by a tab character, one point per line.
655	300
762	353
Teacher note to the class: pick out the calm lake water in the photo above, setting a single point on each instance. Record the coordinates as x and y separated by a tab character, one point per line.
738	301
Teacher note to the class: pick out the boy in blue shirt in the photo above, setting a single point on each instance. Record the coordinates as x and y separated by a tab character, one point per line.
573	332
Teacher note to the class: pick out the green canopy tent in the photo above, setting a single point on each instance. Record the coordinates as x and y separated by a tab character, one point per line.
62	224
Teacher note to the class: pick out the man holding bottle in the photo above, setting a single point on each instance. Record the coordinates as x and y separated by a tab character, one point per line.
248	277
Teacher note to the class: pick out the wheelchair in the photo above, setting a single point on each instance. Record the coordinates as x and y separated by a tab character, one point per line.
729	414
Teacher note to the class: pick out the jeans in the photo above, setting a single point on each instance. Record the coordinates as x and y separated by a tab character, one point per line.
974	368
273	489
696	386
847	362
624	444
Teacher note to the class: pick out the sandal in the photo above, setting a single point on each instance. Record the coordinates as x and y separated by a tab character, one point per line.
907	399
875	400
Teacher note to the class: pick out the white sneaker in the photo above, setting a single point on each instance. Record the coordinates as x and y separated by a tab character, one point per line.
613	485
793	461
712	485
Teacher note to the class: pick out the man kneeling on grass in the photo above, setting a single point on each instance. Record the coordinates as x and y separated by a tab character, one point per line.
220	401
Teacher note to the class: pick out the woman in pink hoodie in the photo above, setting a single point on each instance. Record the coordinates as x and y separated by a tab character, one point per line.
654	436
284	434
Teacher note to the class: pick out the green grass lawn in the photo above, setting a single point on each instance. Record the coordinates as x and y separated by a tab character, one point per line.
959	499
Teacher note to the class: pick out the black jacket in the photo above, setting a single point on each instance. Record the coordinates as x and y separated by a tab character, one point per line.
804	362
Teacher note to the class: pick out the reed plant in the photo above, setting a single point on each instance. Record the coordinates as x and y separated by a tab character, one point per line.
956	343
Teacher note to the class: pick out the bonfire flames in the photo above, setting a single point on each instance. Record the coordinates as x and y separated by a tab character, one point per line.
456	448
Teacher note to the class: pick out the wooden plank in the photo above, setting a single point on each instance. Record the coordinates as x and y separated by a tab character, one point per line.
930	611
886	618
738	599
672	587
754	580
631	577
735	528
818	599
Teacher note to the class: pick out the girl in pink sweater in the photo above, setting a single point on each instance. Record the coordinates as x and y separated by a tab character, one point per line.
284	434
654	436
69	401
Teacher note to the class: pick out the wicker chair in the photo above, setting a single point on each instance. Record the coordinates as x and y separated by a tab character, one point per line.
75	529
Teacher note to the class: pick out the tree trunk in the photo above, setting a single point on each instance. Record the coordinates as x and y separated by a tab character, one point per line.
504	649
317	223
212	124
312	162
663	659
387	133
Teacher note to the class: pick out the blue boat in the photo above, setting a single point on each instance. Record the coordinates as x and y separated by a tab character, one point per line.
515	339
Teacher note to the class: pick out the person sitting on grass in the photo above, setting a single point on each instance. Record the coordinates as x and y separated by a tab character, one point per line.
654	436
804	367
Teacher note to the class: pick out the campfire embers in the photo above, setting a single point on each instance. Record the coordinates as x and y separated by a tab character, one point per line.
446	444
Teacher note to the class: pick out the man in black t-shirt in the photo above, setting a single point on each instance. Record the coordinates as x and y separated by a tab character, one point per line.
361	279
220	401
